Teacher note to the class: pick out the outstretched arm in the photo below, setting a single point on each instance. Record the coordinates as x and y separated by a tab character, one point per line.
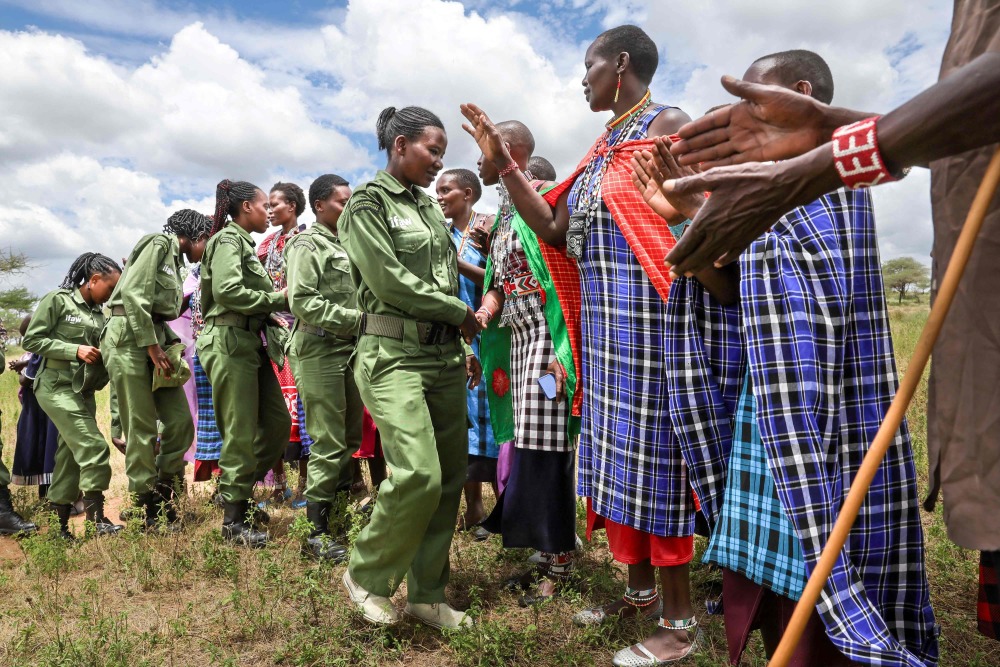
549	224
957	114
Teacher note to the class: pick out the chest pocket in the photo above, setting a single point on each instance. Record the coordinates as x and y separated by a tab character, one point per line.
413	248
338	278
168	288
257	276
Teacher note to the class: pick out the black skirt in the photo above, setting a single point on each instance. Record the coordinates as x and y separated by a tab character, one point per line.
537	509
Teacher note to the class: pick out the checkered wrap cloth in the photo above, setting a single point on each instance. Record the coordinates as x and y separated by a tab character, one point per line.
823	370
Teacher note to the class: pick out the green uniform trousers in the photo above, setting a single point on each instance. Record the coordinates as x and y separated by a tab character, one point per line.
250	411
83	459
416	395
117	431
333	410
131	374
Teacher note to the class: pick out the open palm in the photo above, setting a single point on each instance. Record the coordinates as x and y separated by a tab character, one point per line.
487	137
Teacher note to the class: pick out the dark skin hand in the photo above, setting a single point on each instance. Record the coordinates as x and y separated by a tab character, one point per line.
160	359
88	354
769	123
473	370
559	372
469	326
956	114
649	171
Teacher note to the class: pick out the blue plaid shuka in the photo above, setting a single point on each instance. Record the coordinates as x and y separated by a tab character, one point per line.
208	440
754	536
823	373
704	366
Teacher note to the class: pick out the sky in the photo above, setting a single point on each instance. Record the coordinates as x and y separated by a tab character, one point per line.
115	113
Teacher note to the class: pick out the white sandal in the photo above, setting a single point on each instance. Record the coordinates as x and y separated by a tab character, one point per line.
628	658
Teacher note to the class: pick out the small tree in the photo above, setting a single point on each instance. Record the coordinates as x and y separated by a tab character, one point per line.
17	302
904	274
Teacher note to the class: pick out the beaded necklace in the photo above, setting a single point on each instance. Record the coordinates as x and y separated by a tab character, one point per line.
592	178
465	234
504	229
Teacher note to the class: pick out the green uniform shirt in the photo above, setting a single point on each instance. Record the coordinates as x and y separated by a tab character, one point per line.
404	263
232	278
320	289
150	285
63	322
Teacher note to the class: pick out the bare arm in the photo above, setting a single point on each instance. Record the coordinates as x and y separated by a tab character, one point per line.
474	273
957	114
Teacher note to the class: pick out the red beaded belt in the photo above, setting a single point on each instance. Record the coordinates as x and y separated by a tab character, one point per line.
520	285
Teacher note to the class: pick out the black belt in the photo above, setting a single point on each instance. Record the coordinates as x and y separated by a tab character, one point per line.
237	321
119	311
319	331
428	333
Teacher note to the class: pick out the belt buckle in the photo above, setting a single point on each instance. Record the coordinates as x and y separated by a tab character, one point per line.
435	334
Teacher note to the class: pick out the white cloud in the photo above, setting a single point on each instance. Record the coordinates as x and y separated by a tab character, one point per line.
95	149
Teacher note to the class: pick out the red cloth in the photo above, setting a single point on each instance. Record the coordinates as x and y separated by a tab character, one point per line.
989	594
371	441
631	546
205	470
291	396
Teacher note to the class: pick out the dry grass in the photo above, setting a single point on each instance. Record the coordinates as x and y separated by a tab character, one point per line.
188	599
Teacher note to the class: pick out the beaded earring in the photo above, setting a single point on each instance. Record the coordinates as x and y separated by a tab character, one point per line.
618	89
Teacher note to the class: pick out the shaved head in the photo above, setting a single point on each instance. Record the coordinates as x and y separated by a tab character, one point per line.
517	134
787	68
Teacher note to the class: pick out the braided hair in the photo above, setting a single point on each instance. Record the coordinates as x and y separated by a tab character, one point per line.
408	122
229	196
293	195
189	224
86	265
322	188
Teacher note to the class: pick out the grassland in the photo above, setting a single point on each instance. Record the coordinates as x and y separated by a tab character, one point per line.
188	599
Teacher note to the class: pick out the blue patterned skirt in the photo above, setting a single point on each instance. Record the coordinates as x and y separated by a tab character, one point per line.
208	445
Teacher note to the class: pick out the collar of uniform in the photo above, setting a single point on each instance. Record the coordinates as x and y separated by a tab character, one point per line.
389	182
78	298
324	231
242	232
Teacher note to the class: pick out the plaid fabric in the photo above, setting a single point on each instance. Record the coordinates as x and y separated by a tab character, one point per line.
823	372
989	594
208	440
539	424
704	358
754	536
630	462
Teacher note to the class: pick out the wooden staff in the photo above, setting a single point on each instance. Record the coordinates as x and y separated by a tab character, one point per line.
893	418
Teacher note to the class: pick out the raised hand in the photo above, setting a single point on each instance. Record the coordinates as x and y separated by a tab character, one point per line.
770	123
482	129
650	169
746	200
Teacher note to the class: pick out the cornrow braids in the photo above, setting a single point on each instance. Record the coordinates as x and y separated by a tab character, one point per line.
188	223
408	122
466	179
322	188
293	194
229	195
86	265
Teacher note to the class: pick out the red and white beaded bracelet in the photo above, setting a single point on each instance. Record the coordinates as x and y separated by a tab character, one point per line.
858	159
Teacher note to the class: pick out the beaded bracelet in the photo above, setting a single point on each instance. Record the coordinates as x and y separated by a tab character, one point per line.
509	169
486	312
857	157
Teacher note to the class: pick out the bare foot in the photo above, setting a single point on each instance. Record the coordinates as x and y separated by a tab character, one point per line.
668	644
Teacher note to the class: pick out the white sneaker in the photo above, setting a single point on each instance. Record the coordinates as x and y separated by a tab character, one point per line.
439	615
375	608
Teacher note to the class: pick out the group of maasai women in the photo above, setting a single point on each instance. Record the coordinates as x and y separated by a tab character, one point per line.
736	402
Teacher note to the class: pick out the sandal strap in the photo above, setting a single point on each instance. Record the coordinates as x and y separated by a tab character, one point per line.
683	624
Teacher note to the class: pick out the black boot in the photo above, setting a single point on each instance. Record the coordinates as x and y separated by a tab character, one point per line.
63	512
236	527
93	506
12	523
321	544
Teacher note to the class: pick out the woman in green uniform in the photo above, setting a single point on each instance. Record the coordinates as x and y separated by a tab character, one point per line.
65	331
135	345
323	299
411	372
236	302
